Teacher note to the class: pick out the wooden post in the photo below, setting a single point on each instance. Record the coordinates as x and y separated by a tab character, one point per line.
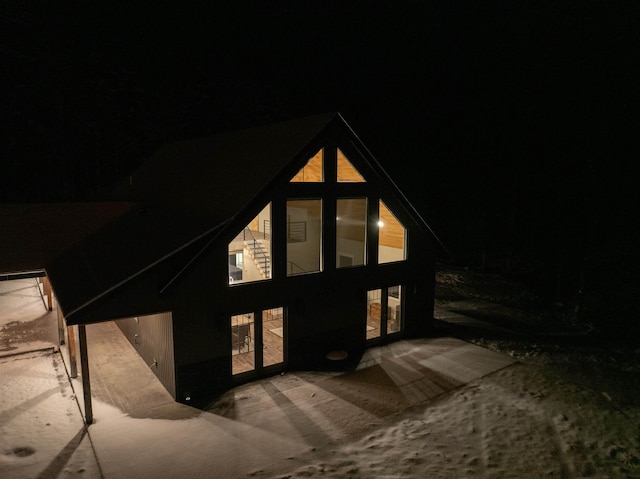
84	365
61	323
73	365
47	290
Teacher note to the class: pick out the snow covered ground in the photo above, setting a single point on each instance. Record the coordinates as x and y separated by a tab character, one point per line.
19	299
560	411
25	324
522	421
42	434
517	423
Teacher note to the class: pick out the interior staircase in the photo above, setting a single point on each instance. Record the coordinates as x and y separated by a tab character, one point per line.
259	252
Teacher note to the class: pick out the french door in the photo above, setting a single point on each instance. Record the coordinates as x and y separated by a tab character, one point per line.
258	341
384	312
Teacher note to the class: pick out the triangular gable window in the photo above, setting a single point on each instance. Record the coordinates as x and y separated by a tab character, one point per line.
347	173
311	172
250	250
392	237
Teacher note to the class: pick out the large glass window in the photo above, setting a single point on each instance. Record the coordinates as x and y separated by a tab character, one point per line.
312	172
304	236
250	251
347	173
351	232
392	237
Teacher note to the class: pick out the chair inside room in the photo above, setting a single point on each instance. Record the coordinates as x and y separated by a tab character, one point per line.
241	336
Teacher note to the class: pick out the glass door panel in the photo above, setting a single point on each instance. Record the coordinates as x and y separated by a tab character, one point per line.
242	343
394	316
374	311
258	340
384	312
272	336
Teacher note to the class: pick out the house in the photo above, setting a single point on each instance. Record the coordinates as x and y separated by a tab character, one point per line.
280	247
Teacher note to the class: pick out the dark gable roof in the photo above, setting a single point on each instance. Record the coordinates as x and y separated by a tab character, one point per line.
186	191
218	175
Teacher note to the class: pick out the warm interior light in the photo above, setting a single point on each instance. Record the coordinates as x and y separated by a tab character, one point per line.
380	223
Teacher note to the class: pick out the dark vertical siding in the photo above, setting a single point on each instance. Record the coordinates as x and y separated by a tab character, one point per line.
201	329
152	336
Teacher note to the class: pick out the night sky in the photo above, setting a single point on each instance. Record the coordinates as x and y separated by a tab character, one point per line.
512	125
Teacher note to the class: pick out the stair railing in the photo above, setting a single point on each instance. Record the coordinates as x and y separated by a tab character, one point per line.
258	252
294	268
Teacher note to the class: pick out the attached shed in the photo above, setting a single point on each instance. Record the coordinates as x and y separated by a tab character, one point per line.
280	247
